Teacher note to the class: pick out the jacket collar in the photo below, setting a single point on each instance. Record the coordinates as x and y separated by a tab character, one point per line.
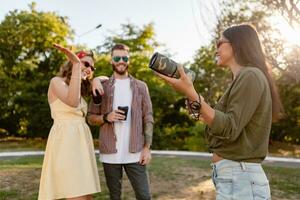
112	79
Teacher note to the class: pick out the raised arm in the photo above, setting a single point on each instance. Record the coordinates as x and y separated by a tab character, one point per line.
69	94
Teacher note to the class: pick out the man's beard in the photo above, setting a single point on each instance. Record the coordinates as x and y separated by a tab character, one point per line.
115	69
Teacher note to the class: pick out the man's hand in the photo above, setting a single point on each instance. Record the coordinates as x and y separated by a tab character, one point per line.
116	115
145	156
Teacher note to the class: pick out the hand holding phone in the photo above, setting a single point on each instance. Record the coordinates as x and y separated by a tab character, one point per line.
125	109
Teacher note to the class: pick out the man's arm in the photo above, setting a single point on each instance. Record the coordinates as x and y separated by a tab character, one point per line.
94	116
148	132
95	120
110	117
146	152
147	117
148	127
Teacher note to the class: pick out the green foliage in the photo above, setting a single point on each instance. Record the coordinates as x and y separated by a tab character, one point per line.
26	39
139	40
288	128
196	141
28	61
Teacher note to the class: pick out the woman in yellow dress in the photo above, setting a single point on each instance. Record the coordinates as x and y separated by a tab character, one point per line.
69	168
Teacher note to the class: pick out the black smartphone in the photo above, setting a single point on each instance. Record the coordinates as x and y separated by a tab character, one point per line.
98	98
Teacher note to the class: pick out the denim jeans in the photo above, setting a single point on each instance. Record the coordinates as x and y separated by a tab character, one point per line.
240	181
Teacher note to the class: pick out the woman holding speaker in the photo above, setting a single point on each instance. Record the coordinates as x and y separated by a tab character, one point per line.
238	128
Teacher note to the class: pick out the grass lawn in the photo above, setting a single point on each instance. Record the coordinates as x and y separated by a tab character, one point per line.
21	144
171	178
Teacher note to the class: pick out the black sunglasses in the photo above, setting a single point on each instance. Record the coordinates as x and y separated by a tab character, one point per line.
118	58
220	42
87	65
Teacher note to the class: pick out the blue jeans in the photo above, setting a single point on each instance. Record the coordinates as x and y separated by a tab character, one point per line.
240	180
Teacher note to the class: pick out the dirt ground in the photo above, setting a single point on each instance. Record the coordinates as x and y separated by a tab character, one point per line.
193	185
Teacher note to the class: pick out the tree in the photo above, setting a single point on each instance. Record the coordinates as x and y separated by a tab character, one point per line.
28	61
289	9
288	128
285	60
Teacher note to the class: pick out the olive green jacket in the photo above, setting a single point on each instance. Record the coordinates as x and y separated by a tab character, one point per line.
241	127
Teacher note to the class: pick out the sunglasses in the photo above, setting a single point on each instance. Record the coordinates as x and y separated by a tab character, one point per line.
220	42
87	65
118	58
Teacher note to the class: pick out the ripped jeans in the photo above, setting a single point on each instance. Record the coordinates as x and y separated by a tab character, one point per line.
240	181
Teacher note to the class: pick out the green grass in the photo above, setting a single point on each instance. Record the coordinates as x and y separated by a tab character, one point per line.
285	182
11	194
170	177
21	163
21	144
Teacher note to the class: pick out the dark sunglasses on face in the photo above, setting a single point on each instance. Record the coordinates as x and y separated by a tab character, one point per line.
220	42
118	58
87	65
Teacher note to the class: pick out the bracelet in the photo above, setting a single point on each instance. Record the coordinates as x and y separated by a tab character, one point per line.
195	107
105	118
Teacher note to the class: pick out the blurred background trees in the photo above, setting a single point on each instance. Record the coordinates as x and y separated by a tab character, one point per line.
28	61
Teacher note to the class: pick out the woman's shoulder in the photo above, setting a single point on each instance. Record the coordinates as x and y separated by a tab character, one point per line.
252	73
57	82
254	76
56	79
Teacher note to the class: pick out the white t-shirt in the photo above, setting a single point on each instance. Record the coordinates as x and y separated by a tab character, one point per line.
122	97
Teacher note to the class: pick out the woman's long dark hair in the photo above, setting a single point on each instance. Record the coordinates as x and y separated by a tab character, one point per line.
66	71
248	52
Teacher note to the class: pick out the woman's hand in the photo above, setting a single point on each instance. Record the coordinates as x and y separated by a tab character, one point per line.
71	56
96	84
183	85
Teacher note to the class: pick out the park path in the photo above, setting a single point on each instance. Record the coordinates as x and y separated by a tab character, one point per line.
270	160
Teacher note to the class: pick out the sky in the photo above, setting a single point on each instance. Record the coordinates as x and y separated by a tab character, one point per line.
183	26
